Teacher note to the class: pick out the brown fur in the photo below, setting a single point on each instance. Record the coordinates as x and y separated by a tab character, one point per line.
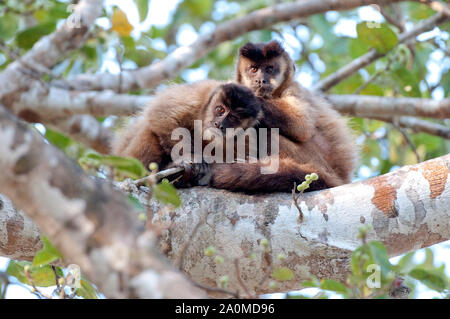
314	137
149	137
331	153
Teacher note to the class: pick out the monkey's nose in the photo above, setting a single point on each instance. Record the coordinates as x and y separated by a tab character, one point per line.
216	124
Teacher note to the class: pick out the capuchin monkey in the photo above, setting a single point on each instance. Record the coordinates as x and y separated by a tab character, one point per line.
314	137
268	71
220	106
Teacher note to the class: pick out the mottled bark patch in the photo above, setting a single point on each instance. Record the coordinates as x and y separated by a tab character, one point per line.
436	174
30	116
24	164
397	243
385	196
320	201
14	228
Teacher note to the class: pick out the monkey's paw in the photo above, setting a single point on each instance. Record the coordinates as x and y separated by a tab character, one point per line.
195	174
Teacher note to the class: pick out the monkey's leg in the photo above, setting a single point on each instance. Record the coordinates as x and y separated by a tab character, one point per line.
287	115
145	147
247	177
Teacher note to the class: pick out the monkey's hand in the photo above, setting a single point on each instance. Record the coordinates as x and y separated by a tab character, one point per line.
195	174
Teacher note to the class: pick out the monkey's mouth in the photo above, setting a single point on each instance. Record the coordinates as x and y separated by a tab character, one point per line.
263	91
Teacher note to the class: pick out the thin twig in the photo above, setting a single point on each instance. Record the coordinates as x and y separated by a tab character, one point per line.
294	199
216	289
407	139
241	282
157	176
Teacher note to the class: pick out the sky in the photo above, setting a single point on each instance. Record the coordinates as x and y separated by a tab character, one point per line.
159	14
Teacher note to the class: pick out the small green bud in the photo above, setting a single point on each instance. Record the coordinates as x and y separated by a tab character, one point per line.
264	242
165	180
153	166
303	186
252	256
142	217
314	177
307	177
223	281
272	284
219	260
210	251
26	268
61	281
281	256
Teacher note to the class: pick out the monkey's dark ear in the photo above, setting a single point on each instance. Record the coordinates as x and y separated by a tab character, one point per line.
273	49
251	51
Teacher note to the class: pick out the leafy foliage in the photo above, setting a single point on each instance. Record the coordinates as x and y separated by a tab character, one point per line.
320	45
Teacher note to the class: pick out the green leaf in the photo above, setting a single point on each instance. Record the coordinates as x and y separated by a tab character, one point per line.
406	263
406	82
27	38
135	203
357	47
8	26
47	254
198	8
335	286
166	194
59	140
87	290
380	256
42	276
380	36
419	11
283	274
445	83
129	167
142	6
432	279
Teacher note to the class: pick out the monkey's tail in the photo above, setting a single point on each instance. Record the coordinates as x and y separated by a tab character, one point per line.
248	177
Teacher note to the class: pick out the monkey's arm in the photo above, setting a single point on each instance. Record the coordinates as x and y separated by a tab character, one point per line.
140	142
290	115
247	177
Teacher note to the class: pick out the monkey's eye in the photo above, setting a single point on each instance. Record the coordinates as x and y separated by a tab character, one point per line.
254	69
220	110
269	69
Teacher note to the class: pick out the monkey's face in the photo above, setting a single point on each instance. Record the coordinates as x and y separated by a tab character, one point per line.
232	106
263	78
263	67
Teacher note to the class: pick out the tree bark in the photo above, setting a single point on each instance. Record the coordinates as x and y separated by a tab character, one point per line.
90	222
408	209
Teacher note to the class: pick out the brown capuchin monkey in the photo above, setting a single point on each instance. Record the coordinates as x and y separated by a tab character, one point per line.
217	104
222	106
314	137
268	71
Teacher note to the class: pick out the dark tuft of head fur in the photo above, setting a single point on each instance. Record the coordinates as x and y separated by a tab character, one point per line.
259	52
273	49
241	100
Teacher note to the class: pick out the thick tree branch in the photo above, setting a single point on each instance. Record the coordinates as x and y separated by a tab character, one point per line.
86	130
366	59
150	76
408	209
369	106
92	224
418	125
50	49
